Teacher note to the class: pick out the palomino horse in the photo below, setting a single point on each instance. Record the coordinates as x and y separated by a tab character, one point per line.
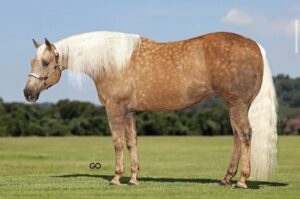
133	73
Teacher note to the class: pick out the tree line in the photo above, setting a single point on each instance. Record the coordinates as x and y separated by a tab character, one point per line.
67	117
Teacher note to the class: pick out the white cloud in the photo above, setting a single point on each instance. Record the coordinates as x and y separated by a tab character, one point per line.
283	25
238	17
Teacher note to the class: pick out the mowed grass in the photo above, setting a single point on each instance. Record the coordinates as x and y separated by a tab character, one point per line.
171	167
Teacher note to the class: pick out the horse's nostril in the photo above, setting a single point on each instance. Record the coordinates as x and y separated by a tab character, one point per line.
27	92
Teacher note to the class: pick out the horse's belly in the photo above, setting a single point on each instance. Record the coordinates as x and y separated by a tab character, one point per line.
162	97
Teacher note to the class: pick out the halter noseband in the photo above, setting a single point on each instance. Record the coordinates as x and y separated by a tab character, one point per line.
44	78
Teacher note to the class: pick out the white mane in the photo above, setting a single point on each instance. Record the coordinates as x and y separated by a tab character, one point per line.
95	52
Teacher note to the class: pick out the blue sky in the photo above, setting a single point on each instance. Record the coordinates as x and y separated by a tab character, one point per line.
268	22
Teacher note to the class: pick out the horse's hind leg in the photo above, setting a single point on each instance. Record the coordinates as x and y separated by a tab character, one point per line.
131	142
240	123
236	154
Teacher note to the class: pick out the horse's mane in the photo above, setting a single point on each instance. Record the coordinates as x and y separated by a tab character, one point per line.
95	52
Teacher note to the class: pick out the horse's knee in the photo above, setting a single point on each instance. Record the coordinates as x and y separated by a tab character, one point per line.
130	144
131	140
118	144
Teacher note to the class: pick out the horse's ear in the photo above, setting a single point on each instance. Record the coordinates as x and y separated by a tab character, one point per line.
48	44
36	43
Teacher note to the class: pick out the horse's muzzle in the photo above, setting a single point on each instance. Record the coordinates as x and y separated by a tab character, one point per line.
30	95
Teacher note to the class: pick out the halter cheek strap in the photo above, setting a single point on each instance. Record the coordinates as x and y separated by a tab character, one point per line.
44	78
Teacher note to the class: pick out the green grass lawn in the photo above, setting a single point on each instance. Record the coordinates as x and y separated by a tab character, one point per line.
171	167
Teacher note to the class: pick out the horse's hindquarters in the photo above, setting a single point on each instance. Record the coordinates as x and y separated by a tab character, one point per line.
235	64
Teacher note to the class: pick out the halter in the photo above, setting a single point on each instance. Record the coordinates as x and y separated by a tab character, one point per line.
44	78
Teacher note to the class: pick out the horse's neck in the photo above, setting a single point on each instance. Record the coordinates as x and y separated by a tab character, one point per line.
97	53
66	56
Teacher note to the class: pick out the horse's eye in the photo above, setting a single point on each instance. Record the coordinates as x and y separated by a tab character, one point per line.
45	63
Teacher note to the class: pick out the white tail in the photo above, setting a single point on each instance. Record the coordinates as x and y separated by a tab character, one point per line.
263	120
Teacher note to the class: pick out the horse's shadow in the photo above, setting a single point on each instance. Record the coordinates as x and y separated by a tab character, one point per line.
251	184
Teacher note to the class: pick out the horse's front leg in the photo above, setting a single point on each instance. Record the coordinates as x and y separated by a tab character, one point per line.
131	142
117	123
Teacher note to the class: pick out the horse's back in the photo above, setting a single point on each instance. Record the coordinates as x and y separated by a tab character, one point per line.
175	75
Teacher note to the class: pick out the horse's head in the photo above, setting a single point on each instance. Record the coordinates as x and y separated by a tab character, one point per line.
45	70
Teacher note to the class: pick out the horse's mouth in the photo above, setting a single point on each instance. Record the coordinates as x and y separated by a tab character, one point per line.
30	96
33	99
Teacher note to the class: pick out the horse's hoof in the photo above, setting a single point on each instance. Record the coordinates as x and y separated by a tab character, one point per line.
132	183
113	183
241	185
224	183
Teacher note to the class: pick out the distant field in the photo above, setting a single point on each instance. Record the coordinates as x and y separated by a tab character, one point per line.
171	167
